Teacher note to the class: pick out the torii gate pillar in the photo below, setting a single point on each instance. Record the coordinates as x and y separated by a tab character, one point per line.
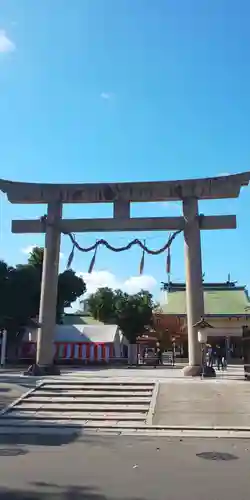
49	285
194	288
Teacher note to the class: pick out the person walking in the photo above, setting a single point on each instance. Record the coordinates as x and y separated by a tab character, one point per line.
214	356
209	356
158	354
224	357
219	357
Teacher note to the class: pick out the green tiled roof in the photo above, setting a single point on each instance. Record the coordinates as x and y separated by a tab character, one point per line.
217	302
80	319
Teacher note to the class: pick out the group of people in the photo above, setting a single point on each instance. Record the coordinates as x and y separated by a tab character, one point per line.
154	354
217	356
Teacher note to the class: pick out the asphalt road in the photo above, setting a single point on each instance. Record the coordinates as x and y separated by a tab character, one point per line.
124	468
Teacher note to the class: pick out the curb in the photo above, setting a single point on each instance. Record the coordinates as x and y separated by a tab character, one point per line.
79	432
151	411
135	428
18	400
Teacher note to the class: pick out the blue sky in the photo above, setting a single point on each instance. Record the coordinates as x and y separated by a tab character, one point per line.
119	90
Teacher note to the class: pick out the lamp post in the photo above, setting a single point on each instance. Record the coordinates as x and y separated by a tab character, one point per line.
202	331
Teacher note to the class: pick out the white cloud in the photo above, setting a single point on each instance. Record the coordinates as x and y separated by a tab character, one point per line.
27	250
6	45
224	174
106	95
173	206
134	284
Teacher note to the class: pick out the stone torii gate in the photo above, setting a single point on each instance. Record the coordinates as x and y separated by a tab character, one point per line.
121	195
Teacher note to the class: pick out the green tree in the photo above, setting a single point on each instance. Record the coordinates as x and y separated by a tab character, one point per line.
19	294
35	258
20	289
70	286
132	313
5	275
102	305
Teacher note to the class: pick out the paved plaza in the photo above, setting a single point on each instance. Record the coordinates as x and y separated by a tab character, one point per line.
160	373
203	404
123	399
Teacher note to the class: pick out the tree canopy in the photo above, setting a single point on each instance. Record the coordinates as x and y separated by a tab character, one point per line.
20	289
70	286
132	313
102	305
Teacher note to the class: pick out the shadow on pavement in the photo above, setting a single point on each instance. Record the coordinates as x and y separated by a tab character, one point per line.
123	366
28	382
46	491
12	444
12	452
54	434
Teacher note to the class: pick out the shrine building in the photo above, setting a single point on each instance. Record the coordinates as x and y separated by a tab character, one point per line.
227	309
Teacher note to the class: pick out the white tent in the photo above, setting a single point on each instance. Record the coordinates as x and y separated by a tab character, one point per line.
92	334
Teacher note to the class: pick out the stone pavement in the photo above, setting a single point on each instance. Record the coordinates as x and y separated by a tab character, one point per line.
161	373
203	403
136	401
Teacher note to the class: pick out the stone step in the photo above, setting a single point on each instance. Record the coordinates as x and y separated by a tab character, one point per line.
62	429
27	416
85	403
62	407
36	430
93	400
107	423
94	389
106	385
89	393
